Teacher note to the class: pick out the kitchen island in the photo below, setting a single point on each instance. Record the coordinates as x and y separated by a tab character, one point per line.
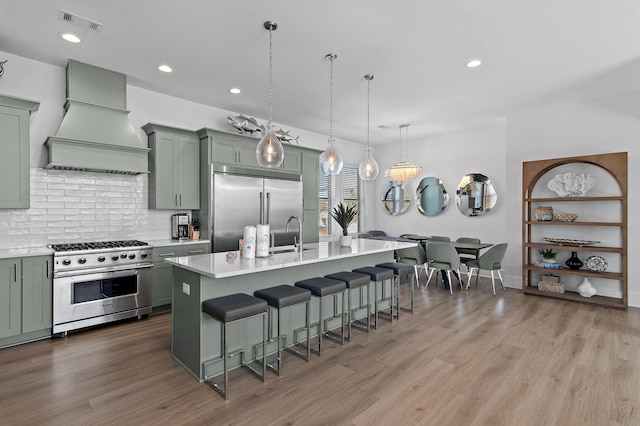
196	337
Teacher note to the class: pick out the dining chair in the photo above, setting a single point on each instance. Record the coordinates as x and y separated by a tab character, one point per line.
375	233
491	260
442	255
415	256
468	254
439	238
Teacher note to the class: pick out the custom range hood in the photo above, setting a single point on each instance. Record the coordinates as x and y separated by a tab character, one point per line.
95	133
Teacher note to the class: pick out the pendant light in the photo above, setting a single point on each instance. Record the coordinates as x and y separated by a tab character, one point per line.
368	167
270	151
403	172
331	160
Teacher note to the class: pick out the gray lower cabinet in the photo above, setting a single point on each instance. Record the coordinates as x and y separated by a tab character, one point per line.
161	273
174	166
26	299
14	161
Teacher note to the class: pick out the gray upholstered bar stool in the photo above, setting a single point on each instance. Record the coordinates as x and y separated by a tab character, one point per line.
379	275
229	310
278	298
400	270
360	281
321	287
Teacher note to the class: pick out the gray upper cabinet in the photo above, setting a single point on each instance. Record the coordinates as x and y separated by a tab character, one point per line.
237	153
310	202
14	161
174	166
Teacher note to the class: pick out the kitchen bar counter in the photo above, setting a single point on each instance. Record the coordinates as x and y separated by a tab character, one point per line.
196	336
230	264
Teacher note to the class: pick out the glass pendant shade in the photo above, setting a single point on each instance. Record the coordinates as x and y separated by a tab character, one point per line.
331	161
270	152
368	168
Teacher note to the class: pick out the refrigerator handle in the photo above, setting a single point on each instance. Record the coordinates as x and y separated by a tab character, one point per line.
268	207
261	222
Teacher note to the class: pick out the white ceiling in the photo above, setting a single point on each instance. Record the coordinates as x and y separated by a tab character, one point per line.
532	51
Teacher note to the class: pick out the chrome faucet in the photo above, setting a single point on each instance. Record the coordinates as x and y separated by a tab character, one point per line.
298	245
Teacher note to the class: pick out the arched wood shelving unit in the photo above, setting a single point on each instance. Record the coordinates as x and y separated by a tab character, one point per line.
616	164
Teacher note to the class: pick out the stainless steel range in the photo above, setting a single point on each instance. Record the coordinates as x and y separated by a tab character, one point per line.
100	282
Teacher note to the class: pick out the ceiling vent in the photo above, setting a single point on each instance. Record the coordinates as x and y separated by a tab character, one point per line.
79	21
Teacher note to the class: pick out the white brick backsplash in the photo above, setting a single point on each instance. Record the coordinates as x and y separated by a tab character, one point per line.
69	206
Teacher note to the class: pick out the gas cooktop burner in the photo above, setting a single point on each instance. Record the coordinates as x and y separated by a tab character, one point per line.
96	245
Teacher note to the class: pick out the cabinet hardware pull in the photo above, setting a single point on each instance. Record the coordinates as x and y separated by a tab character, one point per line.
167	254
180	200
47	266
196	251
15	272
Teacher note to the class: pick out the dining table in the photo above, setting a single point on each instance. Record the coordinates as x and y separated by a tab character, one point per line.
460	246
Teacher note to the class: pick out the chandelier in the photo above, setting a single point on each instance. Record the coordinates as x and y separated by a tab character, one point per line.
403	171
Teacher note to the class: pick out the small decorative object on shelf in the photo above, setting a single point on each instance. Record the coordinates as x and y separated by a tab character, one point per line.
573	262
585	289
548	255
569	242
551	283
544	213
566	217
572	184
2	67
596	263
245	124
286	137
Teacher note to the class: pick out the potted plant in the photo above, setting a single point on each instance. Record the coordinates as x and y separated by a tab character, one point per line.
344	215
548	255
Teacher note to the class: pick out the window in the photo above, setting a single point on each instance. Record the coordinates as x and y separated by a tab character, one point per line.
350	195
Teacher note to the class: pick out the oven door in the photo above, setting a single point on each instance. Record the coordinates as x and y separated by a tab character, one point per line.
94	298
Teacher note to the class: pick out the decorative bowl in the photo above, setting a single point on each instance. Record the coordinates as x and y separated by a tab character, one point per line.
566	217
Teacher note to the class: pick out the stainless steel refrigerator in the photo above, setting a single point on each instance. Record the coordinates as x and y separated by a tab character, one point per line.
239	201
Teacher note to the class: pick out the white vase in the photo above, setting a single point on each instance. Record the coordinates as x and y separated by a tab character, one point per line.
345	240
586	289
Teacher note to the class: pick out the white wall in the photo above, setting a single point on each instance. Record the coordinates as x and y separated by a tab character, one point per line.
565	130
72	206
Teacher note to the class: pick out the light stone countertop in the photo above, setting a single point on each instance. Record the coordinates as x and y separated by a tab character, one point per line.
169	242
229	264
25	252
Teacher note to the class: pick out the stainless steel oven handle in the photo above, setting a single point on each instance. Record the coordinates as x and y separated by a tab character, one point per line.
77	272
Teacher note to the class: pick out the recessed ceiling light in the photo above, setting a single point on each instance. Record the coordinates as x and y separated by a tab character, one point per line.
474	63
165	68
71	38
234	90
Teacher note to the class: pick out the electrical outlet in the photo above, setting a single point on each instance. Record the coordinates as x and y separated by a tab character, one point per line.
186	289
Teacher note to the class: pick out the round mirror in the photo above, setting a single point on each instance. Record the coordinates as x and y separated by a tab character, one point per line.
431	197
475	195
395	198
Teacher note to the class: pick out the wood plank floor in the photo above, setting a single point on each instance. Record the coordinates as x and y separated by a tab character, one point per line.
466	359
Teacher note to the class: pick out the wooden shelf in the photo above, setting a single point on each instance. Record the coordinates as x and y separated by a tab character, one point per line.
575	248
552	222
553	199
616	164
581	272
610	302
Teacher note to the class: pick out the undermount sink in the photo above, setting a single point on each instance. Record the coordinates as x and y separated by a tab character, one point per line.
287	249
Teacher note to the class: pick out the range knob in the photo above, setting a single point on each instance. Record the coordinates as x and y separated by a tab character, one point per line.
132	256
123	256
66	262
144	255
114	258
101	259
82	261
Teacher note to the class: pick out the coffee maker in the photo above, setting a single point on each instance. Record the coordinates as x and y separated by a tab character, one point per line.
180	226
